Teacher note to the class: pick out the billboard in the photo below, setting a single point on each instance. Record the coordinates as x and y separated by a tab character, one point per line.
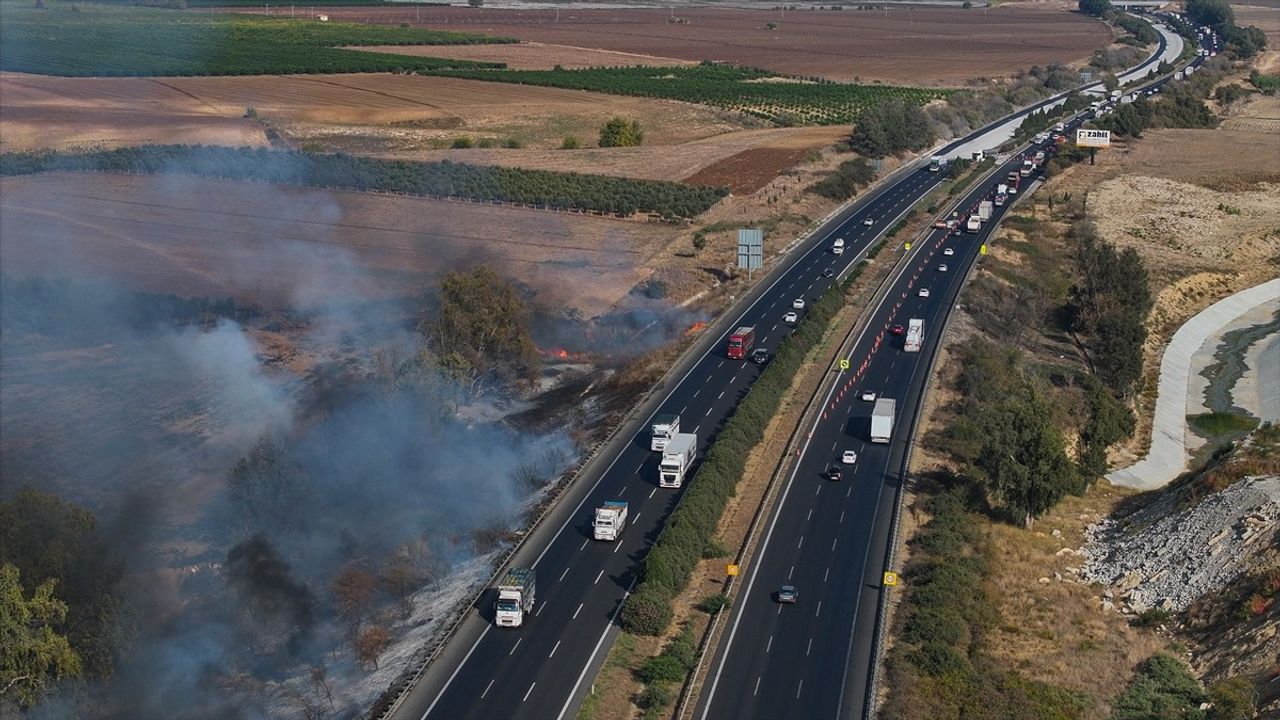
1093	138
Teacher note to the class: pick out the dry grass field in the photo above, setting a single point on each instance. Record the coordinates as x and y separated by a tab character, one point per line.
43	112
532	55
278	245
906	45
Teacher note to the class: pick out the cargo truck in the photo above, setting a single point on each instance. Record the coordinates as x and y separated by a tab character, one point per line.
664	426
984	210
915	335
740	342
676	460
1039	158
974	224
882	420
610	519
515	597
937	163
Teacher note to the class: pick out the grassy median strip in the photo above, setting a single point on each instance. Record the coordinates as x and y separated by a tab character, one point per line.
542	188
690	531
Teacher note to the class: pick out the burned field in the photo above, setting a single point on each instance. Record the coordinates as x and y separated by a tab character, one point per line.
909	45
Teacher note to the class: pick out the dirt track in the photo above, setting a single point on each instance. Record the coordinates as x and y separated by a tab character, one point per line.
913	45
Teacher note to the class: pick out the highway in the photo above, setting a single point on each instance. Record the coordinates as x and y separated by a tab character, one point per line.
828	539
542	669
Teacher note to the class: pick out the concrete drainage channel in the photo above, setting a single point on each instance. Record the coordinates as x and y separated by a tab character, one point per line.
573	489
808	419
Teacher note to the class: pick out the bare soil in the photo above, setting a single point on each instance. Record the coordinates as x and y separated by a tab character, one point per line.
383	111
905	44
1266	19
269	244
532	55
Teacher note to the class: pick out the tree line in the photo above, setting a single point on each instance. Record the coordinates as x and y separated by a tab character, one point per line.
542	188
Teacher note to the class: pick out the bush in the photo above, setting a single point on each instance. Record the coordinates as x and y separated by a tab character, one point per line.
462	143
1233	699
1151	617
713	549
512	143
570	143
647	611
844	181
654	697
713	604
620	132
662	668
1162	688
1216	424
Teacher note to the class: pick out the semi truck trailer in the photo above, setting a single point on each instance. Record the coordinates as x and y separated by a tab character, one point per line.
664	426
676	460
882	420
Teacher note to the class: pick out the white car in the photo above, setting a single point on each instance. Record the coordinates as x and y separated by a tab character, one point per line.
849	457
949	252
869	395
869	222
942	267
790	317
798	303
924	292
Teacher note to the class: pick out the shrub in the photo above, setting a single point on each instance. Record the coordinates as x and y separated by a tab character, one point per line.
512	143
662	668
570	143
714	603
647	611
1151	617
1162	688
462	143
654	697
1233	699
620	132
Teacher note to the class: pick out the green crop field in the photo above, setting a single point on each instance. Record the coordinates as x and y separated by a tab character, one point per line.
756	92
541	188
84	40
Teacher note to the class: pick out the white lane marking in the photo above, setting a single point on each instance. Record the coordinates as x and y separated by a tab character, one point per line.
818	612
775	327
566	572
818	490
768	645
733	379
791	572
841	517
686	407
617	545
624	489
806	650
486	689
708	412
696	392
557	647
596	651
848	492
513	647
826	575
584	544
526	692
833	544
757	690
798	689
696	429
544	604
721	364
598	577
809	516
651	492
801	543
720	395
633	522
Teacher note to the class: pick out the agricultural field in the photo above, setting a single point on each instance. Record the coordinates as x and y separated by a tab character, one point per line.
88	39
533	56
755	92
537	188
259	243
909	45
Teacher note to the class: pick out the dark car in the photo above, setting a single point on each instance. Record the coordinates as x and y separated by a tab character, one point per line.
835	473
897	329
788	594
760	356
828	273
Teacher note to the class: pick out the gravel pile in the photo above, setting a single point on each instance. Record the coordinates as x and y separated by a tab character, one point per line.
1165	558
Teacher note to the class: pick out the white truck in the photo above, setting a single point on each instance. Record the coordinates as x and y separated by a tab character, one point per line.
937	163
664	426
515	597
837	247
610	519
915	335
974	224
882	420
676	459
984	210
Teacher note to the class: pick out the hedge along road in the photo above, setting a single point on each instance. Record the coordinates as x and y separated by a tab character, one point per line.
541	670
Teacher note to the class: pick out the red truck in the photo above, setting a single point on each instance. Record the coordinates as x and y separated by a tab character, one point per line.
741	342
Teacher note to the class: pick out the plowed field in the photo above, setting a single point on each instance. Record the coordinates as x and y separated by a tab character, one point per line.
284	246
907	45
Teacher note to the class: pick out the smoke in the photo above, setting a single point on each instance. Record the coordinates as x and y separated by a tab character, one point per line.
233	489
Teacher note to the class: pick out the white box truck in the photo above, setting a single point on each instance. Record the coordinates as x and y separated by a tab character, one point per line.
937	163
915	335
610	519
882	420
664	426
984	210
676	460
974	224
837	247
515	597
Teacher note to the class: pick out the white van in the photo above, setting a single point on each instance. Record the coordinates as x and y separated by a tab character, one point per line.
837	247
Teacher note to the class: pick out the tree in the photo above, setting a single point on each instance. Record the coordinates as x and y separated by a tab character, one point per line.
1023	461
1094	7
47	538
32	653
353	591
1110	82
267	490
475	3
371	643
699	242
482	329
620	132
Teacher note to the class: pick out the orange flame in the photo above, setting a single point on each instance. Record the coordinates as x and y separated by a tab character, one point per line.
695	328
